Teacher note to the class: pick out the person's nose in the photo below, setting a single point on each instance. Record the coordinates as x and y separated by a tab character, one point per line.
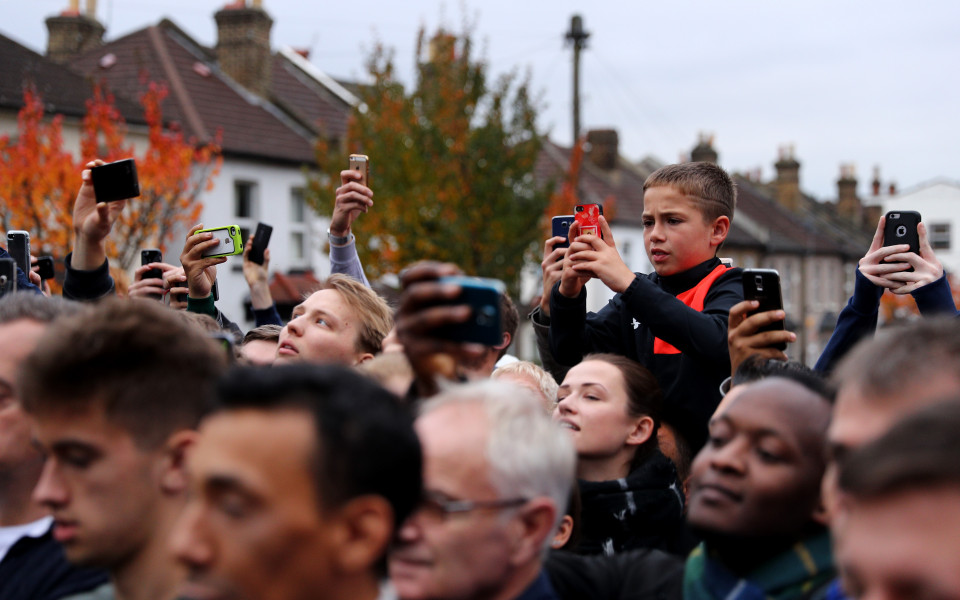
189	541
51	491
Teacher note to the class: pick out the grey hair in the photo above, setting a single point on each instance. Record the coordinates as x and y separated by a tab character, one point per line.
23	306
529	455
545	381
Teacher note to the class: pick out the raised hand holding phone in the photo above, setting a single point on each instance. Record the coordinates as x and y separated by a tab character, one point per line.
597	256
194	261
92	222
352	198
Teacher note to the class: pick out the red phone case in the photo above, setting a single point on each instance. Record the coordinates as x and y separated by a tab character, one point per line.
588	217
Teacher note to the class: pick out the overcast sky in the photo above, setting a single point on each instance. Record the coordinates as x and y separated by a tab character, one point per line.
868	83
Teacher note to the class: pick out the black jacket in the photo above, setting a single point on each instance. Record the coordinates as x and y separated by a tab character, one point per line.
649	309
36	568
636	575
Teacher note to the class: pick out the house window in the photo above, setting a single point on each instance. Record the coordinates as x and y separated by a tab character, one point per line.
940	236
298	205
245	199
298	249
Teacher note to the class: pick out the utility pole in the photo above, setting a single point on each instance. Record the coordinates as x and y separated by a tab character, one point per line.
578	37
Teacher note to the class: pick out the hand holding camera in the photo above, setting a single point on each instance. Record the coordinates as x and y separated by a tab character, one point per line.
352	198
92	222
257	276
426	310
202	252
145	282
554	250
896	266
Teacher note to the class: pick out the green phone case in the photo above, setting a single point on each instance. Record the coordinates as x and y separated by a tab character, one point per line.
231	241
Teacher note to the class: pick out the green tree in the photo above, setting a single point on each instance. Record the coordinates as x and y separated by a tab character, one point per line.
451	164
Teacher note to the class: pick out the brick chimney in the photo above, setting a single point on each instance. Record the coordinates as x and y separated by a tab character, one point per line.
604	147
243	44
788	179
71	32
848	204
704	151
875	184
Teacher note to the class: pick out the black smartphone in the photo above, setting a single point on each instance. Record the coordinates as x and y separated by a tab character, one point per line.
45	268
483	296
261	239
8	276
900	227
183	296
215	291
115	181
151	255
18	245
561	227
763	285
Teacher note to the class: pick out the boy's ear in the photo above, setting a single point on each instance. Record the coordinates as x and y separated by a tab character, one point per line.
720	229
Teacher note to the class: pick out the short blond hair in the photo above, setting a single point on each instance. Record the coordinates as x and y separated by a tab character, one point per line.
375	319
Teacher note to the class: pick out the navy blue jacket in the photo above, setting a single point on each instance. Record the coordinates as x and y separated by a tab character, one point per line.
36	568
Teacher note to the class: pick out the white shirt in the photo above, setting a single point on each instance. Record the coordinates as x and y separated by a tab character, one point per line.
11	535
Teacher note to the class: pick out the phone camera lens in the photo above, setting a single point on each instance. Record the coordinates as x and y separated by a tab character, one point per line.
233	231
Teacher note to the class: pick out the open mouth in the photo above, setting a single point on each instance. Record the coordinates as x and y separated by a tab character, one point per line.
568	425
286	349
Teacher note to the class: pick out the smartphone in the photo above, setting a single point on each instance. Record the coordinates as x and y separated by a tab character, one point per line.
18	245
900	227
361	164
215	290
231	242
182	297
588	216
261	239
763	285
8	276
46	267
151	255
115	181
561	227
483	296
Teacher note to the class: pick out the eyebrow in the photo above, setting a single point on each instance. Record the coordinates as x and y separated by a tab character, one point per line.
756	432
599	385
68	445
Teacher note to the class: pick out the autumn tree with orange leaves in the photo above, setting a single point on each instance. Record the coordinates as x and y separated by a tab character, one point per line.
39	179
451	165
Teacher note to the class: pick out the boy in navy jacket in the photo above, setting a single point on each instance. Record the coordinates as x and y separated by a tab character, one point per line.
673	321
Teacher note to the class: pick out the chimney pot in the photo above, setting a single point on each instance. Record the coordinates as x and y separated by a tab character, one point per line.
243	45
603	147
704	151
71	33
788	179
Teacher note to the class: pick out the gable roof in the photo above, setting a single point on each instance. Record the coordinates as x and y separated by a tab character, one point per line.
62	90
203	100
623	184
813	229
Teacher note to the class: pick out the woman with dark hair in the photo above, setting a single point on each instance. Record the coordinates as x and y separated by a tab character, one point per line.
630	494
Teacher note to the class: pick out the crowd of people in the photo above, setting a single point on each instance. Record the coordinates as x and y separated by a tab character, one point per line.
664	447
